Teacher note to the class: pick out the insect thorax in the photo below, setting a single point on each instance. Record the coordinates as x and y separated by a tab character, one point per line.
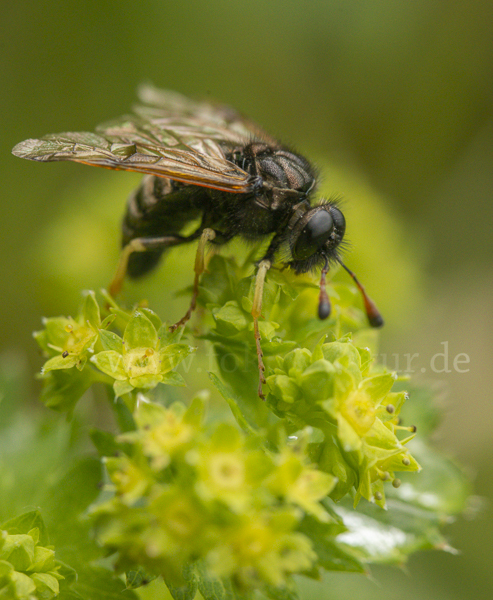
278	167
287	179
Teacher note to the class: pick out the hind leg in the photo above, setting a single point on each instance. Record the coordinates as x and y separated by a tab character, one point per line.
143	244
207	236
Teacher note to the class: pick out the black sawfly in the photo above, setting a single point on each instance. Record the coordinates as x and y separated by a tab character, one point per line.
207	163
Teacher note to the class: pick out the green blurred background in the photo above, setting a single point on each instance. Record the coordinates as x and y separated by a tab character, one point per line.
392	97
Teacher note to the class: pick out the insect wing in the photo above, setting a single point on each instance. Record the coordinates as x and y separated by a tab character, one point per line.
126	153
171	136
165	133
221	121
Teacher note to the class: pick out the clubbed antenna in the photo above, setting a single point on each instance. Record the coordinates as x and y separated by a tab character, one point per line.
324	306
374	317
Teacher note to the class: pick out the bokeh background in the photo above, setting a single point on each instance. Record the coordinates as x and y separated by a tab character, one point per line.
394	100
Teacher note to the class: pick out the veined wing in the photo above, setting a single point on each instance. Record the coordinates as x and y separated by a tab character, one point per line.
177	110
169	136
134	147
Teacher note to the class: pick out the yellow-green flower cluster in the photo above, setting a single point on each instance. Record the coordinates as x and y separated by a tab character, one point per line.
184	493
144	356
69	342
28	571
333	389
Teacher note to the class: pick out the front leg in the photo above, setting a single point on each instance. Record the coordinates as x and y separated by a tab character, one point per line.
263	267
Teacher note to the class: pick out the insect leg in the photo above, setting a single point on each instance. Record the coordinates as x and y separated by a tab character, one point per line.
263	267
206	236
142	244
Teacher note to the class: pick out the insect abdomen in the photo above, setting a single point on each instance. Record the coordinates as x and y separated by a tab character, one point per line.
158	207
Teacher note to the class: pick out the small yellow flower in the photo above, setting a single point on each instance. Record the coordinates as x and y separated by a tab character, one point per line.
359	410
162	441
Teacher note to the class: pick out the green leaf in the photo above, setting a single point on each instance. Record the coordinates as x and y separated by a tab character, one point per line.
317	381
54	333
70	494
18	550
296	361
26	522
67	572
60	362
184	592
284	593
140	332
69	595
284	388
241	418
388	536
20	588
122	317
145	382
90	310
97	583
441	486
266	328
366	360
111	341
230	319
153	317
111	363
124	416
238	367
47	586
121	388
138	578
31	452
195	413
173	378
105	323
62	389
81	363
148	414
290	286
378	386
172	355
277	347
332	555
217	283
169	337
332	461
105	442
214	588
346	355
64	499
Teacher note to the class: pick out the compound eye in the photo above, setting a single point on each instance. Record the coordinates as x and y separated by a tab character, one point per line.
314	235
339	221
